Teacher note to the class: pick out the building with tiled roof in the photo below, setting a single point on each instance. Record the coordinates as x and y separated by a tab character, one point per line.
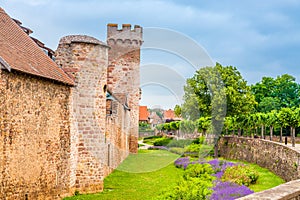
169	115
32	60
65	124
143	114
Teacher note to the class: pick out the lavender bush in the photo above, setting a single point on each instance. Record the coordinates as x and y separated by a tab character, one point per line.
182	162
221	190
157	148
229	191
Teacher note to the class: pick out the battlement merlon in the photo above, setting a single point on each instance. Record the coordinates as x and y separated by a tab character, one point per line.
126	33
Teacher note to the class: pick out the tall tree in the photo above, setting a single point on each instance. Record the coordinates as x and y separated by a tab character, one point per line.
271	120
177	111
288	117
190	108
273	94
221	86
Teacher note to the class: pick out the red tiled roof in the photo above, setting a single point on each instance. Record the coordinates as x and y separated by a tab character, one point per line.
21	53
169	114
144	114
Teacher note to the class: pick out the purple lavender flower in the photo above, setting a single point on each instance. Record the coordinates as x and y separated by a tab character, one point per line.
158	148
182	162
219	174
229	191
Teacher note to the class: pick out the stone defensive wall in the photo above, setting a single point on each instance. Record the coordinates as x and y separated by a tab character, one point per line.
277	157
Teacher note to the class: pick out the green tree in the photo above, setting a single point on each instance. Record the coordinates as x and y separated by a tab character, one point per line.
167	127
271	120
177	111
288	117
221	87
228	124
268	104
273	94
190	108
203	124
187	126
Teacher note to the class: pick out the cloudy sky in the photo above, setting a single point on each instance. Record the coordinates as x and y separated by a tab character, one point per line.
260	38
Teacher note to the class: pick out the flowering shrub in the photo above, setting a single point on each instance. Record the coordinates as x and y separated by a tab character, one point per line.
229	191
182	162
228	180
220	166
240	174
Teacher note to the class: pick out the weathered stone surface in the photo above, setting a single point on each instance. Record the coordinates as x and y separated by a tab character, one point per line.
34	137
124	69
287	191
88	110
57	139
276	157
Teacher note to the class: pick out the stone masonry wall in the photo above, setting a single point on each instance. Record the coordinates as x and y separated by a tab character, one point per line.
34	137
85	59
124	70
278	158
286	191
117	135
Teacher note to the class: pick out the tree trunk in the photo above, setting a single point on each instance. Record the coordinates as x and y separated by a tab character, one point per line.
216	149
271	132
256	130
280	140
239	132
262	131
293	136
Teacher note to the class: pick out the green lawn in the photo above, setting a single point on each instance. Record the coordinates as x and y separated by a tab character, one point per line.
123	185
147	174
266	179
147	161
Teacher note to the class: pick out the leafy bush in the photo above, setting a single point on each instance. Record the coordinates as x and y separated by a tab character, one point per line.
193	150
196	150
151	139
180	143
240	174
144	126
191	189
199	140
177	150
203	171
162	141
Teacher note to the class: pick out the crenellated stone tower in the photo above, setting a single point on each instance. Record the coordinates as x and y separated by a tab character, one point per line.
123	74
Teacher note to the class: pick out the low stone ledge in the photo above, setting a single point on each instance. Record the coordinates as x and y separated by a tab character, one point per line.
286	191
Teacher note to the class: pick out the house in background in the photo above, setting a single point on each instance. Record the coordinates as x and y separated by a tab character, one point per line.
144	115
155	119
169	116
